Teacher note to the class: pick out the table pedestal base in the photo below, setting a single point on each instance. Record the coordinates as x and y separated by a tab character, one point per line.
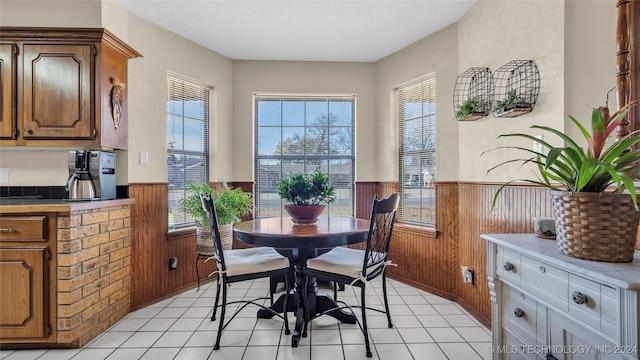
318	303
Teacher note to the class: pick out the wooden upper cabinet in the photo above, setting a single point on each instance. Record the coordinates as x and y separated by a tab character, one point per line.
58	94
8	92
64	87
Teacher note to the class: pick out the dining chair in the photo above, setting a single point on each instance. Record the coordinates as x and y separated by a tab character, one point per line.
358	267
241	265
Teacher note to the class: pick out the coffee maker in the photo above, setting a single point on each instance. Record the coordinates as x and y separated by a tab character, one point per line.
92	175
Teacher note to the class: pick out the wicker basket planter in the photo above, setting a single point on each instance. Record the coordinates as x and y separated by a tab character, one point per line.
204	239
595	226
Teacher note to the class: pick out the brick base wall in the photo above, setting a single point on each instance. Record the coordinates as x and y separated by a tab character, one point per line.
94	272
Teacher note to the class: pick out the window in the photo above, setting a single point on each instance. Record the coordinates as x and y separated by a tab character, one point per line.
416	111
187	142
297	134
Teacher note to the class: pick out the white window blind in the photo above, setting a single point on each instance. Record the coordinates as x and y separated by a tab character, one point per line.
187	142
297	134
416	112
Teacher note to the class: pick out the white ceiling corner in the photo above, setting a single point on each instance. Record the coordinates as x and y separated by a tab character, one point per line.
301	30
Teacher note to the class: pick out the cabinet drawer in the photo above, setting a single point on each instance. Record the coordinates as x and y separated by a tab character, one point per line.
23	228
519	314
508	266
593	303
547	282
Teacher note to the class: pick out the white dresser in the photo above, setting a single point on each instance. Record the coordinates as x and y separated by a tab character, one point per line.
546	305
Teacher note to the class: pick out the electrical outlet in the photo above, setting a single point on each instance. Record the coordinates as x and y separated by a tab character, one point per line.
469	276
173	263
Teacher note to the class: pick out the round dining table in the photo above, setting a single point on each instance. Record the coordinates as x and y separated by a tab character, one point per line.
299	243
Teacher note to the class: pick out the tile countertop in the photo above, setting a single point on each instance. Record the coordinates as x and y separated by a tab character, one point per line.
624	275
11	205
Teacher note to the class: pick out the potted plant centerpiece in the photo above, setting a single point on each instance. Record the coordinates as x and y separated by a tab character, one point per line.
229	203
593	192
304	195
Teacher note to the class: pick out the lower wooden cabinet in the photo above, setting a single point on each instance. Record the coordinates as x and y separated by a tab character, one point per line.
24	295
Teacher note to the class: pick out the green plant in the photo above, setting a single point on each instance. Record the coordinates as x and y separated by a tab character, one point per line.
592	169
510	102
303	189
468	107
230	203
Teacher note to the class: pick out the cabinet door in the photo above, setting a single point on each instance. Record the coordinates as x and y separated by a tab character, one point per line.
23	292
572	341
58	92
8	91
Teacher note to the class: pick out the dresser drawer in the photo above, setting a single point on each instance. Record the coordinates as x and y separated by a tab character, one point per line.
546	282
23	228
520	314
508	265
593	303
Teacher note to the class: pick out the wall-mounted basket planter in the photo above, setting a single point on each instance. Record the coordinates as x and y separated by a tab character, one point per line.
472	94
517	84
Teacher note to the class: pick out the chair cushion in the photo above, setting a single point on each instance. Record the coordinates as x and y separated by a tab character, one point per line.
342	261
253	260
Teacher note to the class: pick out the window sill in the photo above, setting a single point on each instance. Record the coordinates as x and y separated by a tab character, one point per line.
181	233
424	231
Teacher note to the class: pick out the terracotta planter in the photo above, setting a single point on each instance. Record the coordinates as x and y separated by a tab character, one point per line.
304	214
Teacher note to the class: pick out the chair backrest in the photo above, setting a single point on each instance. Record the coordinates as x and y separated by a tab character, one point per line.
210	211
383	215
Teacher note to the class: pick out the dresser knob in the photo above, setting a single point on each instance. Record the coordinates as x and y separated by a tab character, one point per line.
518	313
508	266
579	298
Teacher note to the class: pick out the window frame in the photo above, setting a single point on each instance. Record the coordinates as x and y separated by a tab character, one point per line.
427	156
177	219
343	186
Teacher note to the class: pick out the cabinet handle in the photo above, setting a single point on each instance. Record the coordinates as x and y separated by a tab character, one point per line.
579	298
11	230
542	269
508	266
518	313
28	131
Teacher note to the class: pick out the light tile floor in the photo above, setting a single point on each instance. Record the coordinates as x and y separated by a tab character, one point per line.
425	327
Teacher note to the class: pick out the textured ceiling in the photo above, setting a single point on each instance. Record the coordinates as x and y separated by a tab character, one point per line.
305	30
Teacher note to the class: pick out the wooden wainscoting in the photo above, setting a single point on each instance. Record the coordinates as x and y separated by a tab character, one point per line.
151	279
514	213
429	259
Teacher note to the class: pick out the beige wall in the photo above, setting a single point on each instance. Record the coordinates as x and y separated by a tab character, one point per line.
65	13
164	51
304	78
572	42
436	53
590	59
491	34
